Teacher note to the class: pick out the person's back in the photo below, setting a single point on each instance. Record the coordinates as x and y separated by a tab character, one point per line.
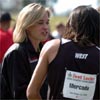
5	35
78	63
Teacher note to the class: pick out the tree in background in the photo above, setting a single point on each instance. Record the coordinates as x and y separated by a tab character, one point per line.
43	2
25	2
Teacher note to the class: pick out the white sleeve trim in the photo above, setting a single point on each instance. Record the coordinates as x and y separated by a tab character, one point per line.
65	40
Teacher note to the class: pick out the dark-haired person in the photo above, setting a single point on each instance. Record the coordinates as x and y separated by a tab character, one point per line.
71	64
32	27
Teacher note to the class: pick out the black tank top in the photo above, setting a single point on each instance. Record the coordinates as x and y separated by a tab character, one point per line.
72	57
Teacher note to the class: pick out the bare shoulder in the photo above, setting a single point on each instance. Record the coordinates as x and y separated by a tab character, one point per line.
51	48
52	44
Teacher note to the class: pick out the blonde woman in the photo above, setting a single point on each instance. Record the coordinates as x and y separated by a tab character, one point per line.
19	62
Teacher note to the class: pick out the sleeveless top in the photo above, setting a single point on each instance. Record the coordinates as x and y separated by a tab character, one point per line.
74	72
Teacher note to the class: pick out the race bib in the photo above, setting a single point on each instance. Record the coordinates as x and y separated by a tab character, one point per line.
79	86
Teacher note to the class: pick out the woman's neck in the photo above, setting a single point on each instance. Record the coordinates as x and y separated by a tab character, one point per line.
35	44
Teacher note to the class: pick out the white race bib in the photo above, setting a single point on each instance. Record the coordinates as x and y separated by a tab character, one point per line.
79	85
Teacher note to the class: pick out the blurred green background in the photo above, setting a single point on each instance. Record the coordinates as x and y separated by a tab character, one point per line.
54	20
14	7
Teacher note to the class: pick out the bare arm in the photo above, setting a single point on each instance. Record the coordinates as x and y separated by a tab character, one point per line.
38	77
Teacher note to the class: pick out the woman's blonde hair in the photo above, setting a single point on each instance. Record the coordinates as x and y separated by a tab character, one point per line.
28	16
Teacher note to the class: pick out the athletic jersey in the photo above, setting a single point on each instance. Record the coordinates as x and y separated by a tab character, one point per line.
74	72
